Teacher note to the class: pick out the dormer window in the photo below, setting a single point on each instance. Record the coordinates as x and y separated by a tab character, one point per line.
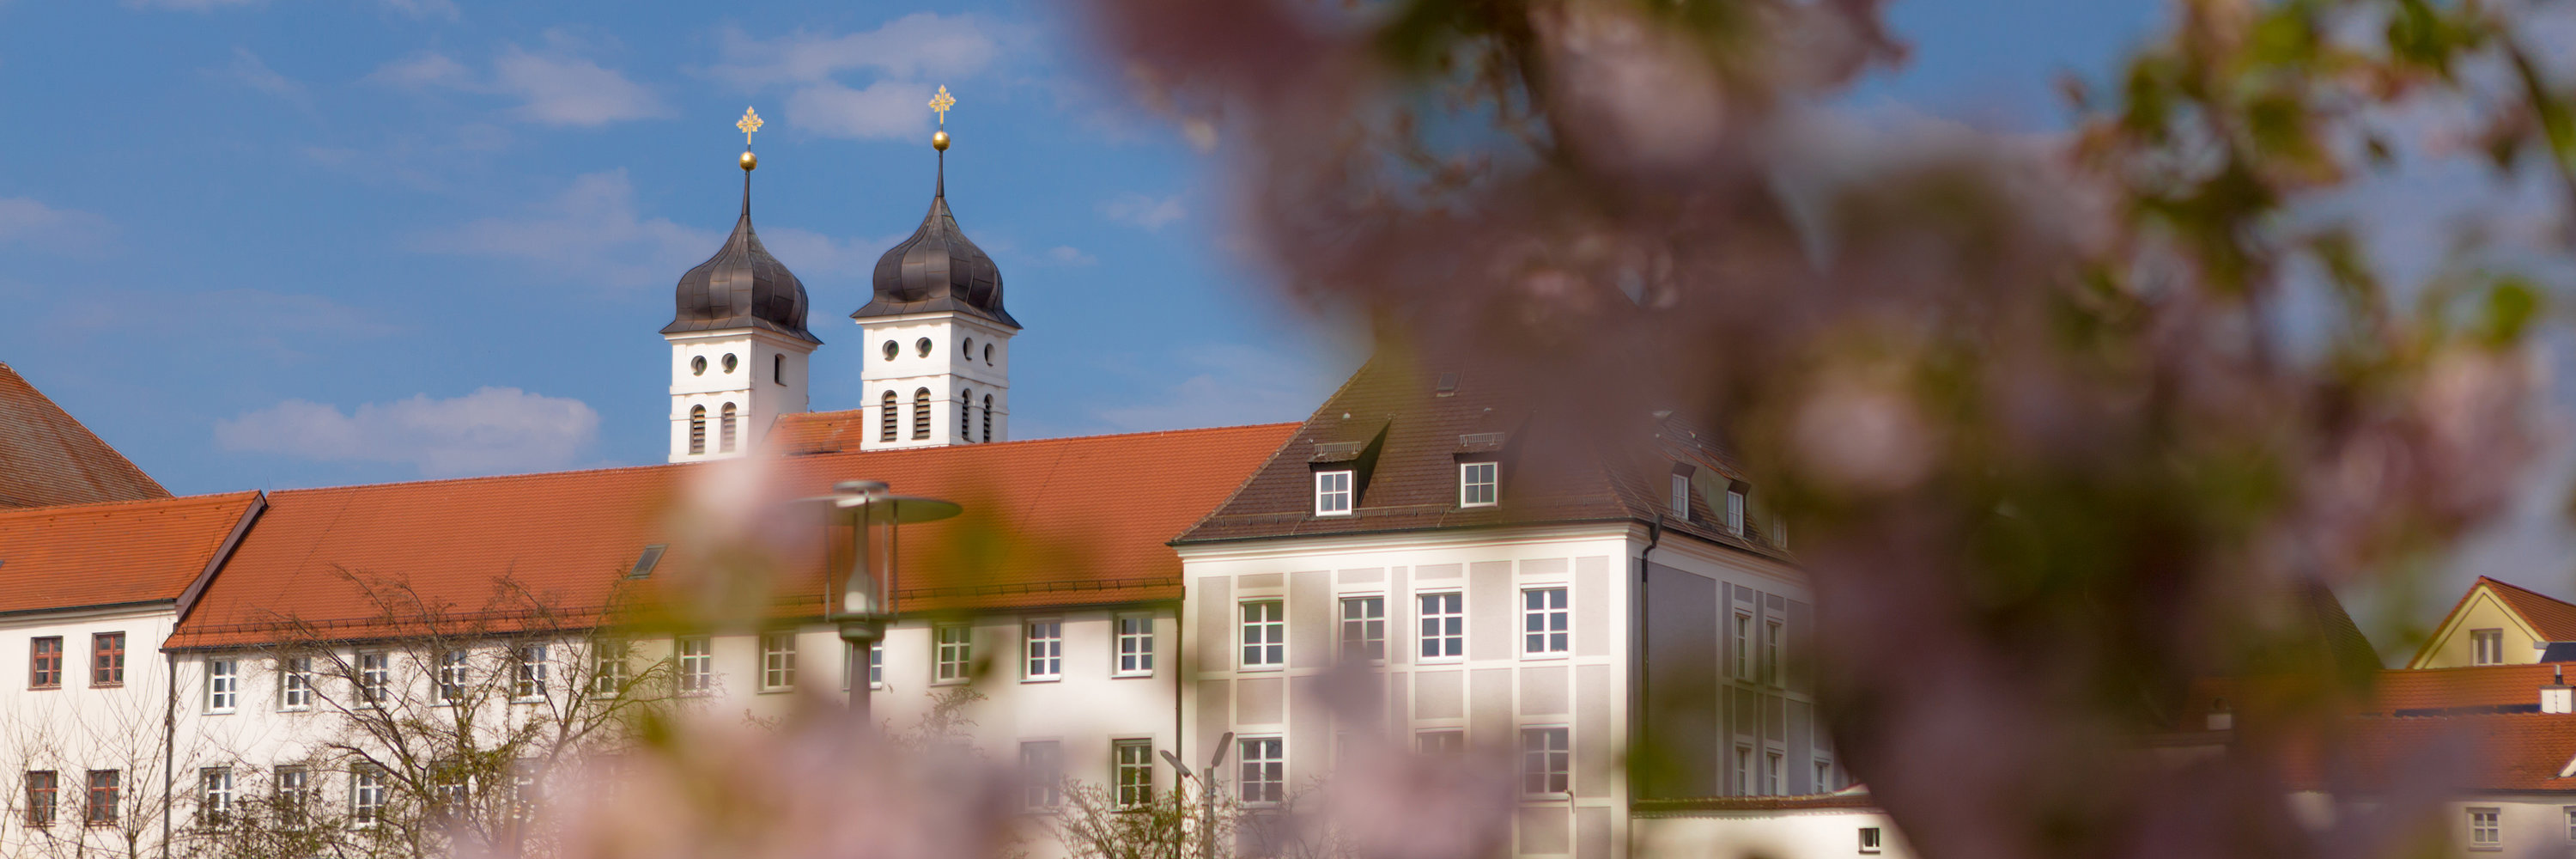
1735	511
1333	493
1681	495
1476	483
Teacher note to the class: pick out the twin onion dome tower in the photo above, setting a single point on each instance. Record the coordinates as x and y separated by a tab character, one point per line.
937	362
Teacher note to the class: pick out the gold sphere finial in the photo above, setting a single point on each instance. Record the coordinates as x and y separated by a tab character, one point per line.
749	160
939	140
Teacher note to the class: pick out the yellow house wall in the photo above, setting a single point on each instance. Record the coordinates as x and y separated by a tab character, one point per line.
2452	648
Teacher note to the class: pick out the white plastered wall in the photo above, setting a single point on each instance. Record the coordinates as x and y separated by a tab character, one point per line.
956	372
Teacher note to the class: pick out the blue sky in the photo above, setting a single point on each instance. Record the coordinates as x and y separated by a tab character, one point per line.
311	242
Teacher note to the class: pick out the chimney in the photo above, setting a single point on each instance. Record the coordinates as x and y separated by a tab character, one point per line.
2556	697
2220	718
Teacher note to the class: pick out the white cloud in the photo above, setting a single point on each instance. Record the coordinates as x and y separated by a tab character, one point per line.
886	110
492	430
249	70
1144	211
427	68
564	90
591	231
906	47
1070	255
27	223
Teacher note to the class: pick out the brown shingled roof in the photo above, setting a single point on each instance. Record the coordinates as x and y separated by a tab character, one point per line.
116	553
47	457
2555	620
1056	522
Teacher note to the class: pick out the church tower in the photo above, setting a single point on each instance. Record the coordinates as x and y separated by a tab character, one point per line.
938	360
738	341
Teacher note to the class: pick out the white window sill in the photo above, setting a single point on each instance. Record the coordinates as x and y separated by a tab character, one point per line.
779	690
304	709
1260	669
535	699
1050	679
1547	797
1556	655
961	681
1474	506
1130	675
223	712
1441	660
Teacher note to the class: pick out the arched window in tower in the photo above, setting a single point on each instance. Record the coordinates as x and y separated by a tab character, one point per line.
724	432
988	417
885	416
697	429
965	415
778	368
921	414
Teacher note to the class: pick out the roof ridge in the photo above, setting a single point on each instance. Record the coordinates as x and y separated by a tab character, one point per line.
88	506
2496	581
1059	438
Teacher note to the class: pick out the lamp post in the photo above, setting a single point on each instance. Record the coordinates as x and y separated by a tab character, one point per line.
868	587
1207	791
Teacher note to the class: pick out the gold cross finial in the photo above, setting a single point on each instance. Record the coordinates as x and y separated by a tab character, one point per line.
750	123
940	104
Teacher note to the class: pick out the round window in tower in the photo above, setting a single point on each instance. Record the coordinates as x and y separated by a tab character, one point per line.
969	350
698	366
731	362
922	346
890	349
988	353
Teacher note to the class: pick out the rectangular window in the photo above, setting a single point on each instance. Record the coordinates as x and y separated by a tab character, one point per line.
1446	744
1824	777
1264	769
1743	770
2487	646
1743	646
1364	628
43	792
452	675
1041	774
1265	634
697	665
45	663
2484	831
107	659
375	679
527	787
1444	625
294	790
954	650
1043	656
223	679
215	799
1681	497
1135	645
366	795
1546	623
1771	652
1735	511
2571	822
876	664
608	667
1333	493
1547	761
1869	839
530	665
1135	776
104	785
295	683
778	661
1476	484
1777	774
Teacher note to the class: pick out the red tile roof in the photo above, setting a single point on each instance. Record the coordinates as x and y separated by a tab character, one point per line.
117	553
2498	752
1057	522
2555	620
46	457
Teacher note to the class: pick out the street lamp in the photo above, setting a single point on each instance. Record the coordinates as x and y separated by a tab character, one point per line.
1207	791
868	588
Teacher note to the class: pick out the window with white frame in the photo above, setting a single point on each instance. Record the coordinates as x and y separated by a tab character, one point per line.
2485	830
1547	761
215	794
697	665
876	664
1771	634
294	789
1265	634
452	665
1263	771
1824	776
1546	623
1444	625
367	790
1134	762
1743	645
1680	499
1477	483
1743	770
1042	658
527	787
1869	839
1041	774
1364	628
1735	511
1775	774
1333	493
295	683
778	661
1135	645
1441	743
949	661
2571	822
375	678
2486	647
530	671
608	667
223	685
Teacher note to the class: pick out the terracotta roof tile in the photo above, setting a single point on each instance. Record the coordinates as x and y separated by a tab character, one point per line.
2555	620
1057	522
115	553
47	457
2496	752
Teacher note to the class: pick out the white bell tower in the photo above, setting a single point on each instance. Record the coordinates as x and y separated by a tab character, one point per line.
739	347
938	364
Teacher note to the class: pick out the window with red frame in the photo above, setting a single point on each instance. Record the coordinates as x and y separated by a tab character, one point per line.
45	663
107	662
102	797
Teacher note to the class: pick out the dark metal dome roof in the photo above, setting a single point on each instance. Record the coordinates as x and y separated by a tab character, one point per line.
742	286
937	269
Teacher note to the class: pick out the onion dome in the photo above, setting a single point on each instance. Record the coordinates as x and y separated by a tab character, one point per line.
742	286
938	268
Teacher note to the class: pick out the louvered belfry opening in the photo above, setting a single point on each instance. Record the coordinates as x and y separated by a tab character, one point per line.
697	429
966	416
988	417
885	418
727	433
921	414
